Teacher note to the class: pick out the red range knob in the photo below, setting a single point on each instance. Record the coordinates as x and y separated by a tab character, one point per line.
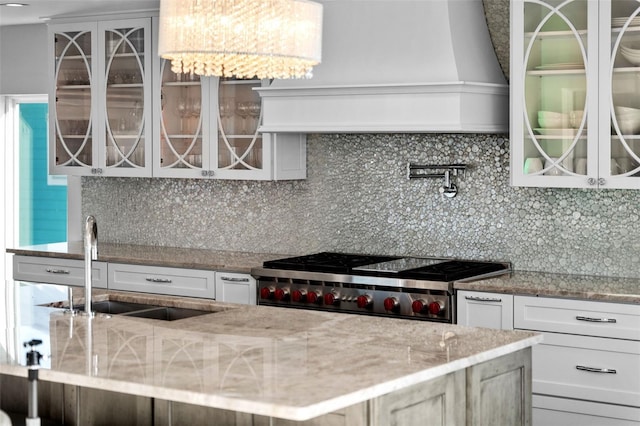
299	295
419	306
281	293
266	293
436	307
314	297
364	301
391	304
331	299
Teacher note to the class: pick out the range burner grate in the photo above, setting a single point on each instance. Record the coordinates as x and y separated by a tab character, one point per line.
327	262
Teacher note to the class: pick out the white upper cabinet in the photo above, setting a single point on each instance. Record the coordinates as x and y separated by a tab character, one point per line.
117	109
575	95
100	100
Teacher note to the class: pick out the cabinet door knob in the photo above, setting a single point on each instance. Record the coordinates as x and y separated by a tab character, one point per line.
591	181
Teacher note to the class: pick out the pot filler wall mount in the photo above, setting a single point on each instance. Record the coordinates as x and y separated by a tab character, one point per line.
402	287
438	171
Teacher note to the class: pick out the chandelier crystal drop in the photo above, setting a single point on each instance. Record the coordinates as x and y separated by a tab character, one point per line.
241	38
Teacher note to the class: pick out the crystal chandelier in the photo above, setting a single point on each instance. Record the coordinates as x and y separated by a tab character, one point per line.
241	38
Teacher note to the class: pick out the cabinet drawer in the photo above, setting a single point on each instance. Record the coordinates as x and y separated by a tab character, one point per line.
550	411
615	320
50	270
574	367
236	288
154	279
489	310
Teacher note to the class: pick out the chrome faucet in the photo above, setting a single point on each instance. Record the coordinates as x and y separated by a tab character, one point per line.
90	253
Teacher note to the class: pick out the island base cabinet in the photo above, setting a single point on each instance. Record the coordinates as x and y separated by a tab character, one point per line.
167	413
438	404
499	391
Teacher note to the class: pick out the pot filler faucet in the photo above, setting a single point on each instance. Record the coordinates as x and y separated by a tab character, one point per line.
90	253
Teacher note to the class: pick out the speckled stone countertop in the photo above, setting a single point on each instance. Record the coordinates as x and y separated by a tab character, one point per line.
176	257
606	289
254	359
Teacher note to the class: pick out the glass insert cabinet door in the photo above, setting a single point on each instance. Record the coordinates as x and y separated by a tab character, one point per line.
71	103
556	93
126	97
181	124
620	98
240	145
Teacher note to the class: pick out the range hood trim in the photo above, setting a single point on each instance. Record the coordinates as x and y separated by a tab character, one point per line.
451	107
402	88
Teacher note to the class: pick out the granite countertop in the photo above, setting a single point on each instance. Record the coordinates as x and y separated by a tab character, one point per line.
278	362
605	289
177	257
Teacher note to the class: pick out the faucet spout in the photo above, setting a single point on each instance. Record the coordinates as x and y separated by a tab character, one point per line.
90	253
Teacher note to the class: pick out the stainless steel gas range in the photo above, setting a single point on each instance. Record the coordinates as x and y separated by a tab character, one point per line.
403	287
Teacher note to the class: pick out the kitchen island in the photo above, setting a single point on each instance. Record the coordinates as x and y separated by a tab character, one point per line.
252	365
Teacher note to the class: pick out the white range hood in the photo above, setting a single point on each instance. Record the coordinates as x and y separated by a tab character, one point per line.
396	66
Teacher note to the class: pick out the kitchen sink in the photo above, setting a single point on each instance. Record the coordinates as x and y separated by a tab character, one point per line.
114	307
140	310
167	313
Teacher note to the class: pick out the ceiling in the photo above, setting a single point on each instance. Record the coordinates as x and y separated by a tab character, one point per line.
38	10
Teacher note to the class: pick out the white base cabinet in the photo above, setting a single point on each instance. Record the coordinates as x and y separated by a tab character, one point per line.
236	288
228	287
552	411
586	372
161	280
50	270
587	369
489	310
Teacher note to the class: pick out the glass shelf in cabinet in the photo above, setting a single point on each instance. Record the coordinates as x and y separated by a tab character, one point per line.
125	85
239	82
126	55
74	86
181	83
633	29
556	73
629	69
554	34
72	58
67	136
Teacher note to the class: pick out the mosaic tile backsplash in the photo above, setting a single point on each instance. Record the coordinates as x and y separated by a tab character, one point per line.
357	198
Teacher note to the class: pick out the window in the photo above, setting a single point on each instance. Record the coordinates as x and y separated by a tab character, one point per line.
42	199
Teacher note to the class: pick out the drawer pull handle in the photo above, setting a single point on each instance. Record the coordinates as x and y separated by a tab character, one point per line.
235	280
57	271
588	319
483	299
158	280
596	370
